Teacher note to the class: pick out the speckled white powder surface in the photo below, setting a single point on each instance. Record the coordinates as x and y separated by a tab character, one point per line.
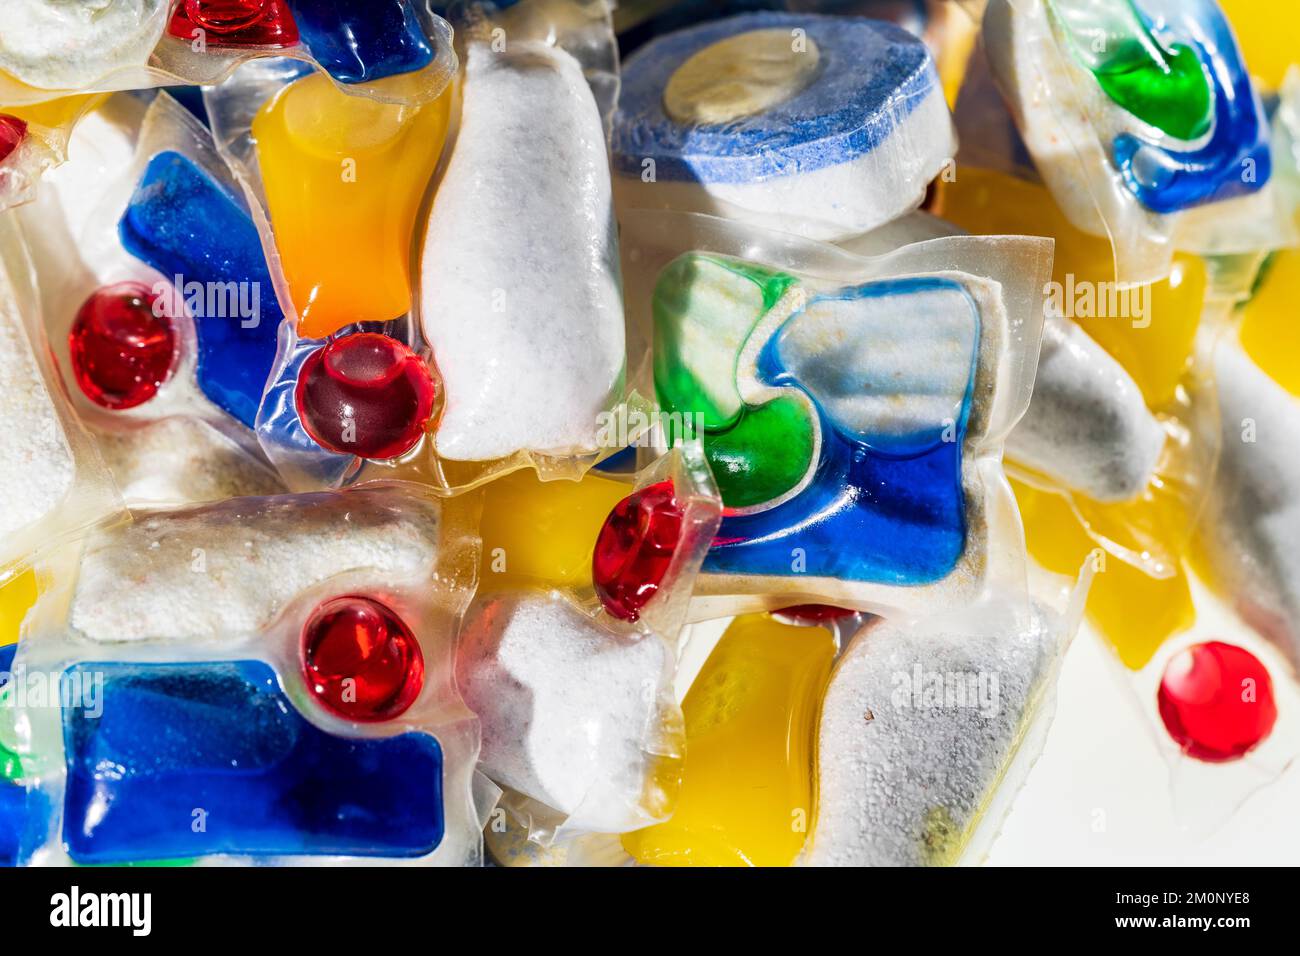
520	293
1251	525
36	464
902	779
565	707
1087	425
227	570
179	461
67	44
889	369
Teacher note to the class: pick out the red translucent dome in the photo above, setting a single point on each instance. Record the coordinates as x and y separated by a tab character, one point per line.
360	659
12	132
634	548
365	394
1216	701
122	346
227	23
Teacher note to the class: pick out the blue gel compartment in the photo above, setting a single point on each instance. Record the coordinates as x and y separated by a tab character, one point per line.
13	809
21	810
1166	180
183	223
866	515
196	759
360	42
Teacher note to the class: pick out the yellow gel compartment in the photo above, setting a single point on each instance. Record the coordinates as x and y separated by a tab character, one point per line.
17	595
1265	36
344	178
1134	611
1155	354
746	796
57	113
1268	321
541	533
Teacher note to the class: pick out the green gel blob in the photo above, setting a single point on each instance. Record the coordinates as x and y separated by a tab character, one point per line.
762	456
705	307
1163	87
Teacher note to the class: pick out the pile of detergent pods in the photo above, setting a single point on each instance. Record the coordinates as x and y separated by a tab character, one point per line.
690	433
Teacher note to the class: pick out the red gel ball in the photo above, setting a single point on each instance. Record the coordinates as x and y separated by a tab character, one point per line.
634	548
360	659
1216	701
365	394
12	131
122	347
228	23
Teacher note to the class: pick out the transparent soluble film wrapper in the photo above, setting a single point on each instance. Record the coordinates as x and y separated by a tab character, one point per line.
774	313
219	655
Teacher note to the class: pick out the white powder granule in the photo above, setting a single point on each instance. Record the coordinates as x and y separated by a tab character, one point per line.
179	461
566	707
917	731
69	44
36	464
1087	425
227	570
1251	524
519	278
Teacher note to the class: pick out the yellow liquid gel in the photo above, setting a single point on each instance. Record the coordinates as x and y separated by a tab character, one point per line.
542	533
17	595
1268	321
1154	341
57	113
344	178
1266	34
1134	611
746	797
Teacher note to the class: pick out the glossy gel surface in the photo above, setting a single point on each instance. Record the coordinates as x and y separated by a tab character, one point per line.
334	166
225	738
746	795
185	224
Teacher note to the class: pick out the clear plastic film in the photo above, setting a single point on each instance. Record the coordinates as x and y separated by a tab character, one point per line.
930	726
391	51
569	650
34	139
1220	702
1105	455
1217	699
789	359
56	487
142	233
582	28
1243	546
822	126
1142	119
225	651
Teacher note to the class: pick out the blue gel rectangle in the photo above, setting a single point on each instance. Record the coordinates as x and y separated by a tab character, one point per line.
185	760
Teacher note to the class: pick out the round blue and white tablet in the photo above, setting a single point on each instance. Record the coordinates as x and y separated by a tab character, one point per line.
823	126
